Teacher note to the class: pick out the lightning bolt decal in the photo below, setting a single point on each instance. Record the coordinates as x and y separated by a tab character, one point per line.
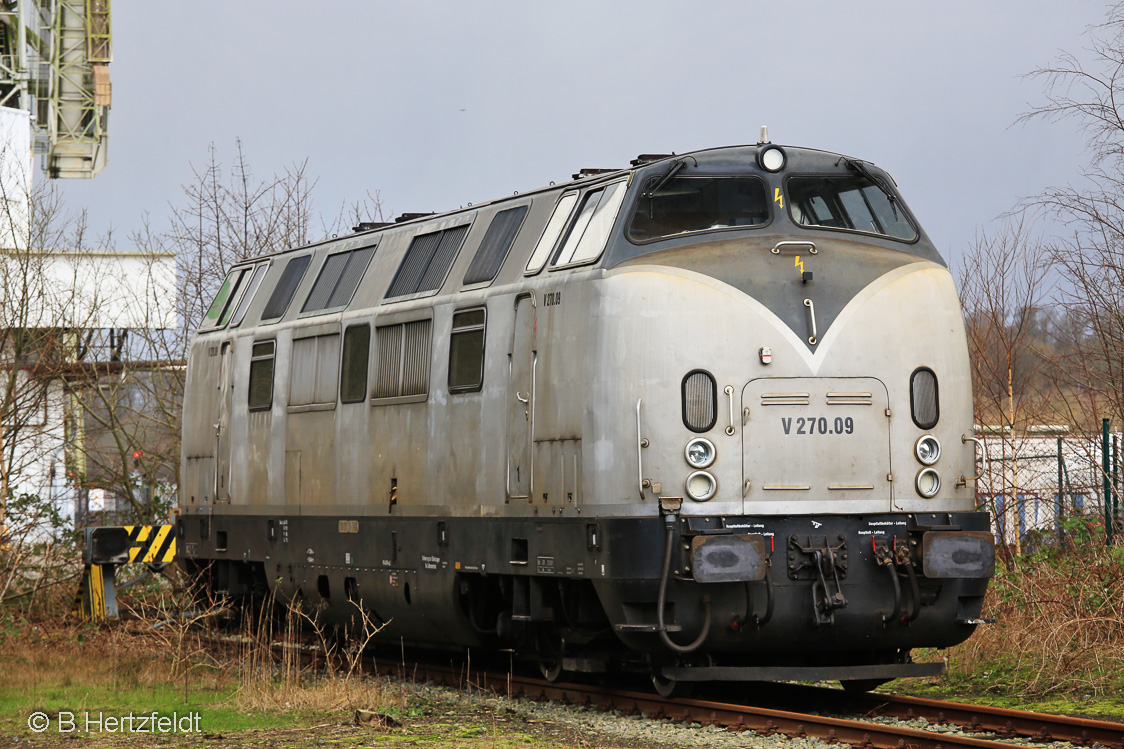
799	264
777	197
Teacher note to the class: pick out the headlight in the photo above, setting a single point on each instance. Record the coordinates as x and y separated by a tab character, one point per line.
928	482
701	486
771	158
700	452
927	449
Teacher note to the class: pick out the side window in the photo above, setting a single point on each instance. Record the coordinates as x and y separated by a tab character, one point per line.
495	245
314	370
552	231
261	375
218	314
248	296
356	353
286	288
591	228
338	280
403	361
427	262
466	351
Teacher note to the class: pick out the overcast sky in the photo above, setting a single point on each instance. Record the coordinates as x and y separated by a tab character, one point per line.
439	104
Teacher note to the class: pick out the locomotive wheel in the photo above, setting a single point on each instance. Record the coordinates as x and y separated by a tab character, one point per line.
551	670
668	688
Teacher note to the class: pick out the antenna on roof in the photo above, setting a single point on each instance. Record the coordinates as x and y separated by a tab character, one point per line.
764	135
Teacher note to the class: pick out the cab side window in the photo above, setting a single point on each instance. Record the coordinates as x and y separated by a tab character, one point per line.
466	351
261	375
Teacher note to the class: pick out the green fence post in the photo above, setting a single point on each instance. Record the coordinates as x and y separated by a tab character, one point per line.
1107	490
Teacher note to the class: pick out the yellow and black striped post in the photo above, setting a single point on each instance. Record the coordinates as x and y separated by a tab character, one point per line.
108	547
152	544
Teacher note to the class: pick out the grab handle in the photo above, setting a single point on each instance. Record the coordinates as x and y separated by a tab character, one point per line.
983	454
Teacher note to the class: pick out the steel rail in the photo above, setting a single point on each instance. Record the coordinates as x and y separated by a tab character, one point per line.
1004	722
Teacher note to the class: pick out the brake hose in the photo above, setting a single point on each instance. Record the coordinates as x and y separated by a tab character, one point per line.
668	545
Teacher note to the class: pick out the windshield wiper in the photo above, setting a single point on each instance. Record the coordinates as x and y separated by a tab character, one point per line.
676	167
860	168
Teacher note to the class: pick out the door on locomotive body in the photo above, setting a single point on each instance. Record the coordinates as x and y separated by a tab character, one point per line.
823	442
222	428
521	398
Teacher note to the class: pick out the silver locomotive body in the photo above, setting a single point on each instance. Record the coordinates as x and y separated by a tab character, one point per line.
714	409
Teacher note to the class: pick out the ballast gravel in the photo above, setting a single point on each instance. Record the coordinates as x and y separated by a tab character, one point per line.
594	727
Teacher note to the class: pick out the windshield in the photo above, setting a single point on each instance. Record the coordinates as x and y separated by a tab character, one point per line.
690	204
849	202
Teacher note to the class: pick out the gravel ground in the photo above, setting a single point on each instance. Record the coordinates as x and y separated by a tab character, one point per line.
590	726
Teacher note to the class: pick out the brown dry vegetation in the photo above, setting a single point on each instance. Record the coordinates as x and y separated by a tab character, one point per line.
1060	624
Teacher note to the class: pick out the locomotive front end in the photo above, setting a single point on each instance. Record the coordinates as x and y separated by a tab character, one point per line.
802	424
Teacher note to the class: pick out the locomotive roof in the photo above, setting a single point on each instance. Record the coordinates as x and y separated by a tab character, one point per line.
718	159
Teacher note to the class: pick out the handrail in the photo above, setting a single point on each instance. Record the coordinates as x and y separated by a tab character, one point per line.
812	339
983	453
641	443
729	391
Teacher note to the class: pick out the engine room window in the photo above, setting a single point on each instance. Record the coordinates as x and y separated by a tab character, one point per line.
261	375
402	368
466	351
338	280
692	204
356	352
924	398
850	202
427	262
219	312
495	245
314	370
286	288
591	228
552	231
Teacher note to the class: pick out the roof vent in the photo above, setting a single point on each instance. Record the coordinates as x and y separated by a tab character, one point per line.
369	226
589	172
648	158
411	216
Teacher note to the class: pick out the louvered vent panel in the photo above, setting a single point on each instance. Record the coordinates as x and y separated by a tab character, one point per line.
414	264
325	282
415	358
447	249
351	276
700	401
389	361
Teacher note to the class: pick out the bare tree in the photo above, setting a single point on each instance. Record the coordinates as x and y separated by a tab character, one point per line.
1089	256
132	394
1002	286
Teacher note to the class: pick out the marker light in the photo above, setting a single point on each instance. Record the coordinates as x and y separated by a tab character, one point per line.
700	452
701	486
927	449
928	482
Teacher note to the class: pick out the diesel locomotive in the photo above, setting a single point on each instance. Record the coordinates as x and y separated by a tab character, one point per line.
705	418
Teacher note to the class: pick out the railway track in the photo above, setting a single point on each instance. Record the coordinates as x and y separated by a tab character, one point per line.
1001	722
983	727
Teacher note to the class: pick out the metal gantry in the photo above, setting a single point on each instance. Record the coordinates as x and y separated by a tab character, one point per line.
54	65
